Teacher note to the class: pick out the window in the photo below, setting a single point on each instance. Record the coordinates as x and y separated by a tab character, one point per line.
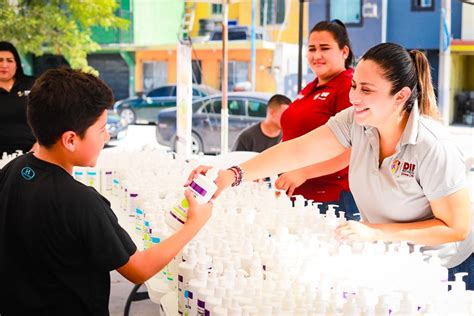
155	74
236	107
272	11
216	9
197	77
423	5
348	11
257	108
213	106
162	92
238	72
198	93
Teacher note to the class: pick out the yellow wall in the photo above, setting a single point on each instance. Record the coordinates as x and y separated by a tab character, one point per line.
469	73
242	12
462	78
456	82
210	64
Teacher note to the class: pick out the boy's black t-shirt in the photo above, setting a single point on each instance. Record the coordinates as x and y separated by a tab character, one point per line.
59	240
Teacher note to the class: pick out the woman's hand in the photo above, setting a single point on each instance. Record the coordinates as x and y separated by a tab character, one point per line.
353	230
224	179
289	181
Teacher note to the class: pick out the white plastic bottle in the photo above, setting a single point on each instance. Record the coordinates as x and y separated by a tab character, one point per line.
185	274
203	187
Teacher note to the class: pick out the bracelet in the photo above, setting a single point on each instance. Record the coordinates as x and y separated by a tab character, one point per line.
238	175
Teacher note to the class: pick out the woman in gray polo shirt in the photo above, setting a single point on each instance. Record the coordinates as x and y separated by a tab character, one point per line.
406	175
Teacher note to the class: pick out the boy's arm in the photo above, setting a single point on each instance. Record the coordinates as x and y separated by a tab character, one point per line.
142	265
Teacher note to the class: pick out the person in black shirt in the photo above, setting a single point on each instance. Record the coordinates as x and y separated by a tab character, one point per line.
15	134
59	239
267	133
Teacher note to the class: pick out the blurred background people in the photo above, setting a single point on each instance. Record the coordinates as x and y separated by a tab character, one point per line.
14	89
267	133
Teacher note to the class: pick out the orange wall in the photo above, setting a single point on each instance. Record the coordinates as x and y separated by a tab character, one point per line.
210	63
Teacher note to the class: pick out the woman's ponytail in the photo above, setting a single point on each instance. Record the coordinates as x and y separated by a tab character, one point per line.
425	91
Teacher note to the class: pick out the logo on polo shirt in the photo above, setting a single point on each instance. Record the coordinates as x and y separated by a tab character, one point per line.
27	173
406	169
395	166
321	96
23	93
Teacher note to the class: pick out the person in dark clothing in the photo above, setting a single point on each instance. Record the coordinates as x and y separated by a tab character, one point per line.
59	239
15	134
267	133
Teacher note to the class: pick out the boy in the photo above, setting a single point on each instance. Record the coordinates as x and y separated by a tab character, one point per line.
267	133
59	239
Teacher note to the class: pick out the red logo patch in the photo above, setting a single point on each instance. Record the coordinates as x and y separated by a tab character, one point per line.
408	169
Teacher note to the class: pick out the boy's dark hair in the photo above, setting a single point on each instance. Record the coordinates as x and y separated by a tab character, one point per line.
7	46
338	30
277	100
64	100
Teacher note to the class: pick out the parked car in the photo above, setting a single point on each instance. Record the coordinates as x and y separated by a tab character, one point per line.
116	126
245	109
237	32
145	108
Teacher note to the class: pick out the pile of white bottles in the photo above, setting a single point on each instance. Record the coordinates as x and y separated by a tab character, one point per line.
6	158
258	255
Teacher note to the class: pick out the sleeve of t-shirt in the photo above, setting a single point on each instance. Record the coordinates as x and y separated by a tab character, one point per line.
106	243
341	126
442	170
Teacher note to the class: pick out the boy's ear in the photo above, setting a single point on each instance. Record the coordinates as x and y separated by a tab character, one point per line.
69	140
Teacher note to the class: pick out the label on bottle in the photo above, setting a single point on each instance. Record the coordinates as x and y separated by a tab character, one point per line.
198	189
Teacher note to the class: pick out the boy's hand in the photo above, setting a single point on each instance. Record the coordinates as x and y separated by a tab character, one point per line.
224	179
197	214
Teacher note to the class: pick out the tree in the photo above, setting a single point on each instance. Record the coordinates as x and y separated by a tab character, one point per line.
59	27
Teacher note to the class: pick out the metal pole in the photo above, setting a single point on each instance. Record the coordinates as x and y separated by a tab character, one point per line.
225	57
444	73
300	45
253	57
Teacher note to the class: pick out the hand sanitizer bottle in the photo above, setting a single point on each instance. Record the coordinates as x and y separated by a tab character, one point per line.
203	188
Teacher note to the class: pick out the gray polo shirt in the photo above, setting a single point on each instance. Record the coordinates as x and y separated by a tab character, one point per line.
427	165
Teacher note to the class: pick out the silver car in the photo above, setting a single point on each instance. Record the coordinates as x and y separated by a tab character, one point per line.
245	109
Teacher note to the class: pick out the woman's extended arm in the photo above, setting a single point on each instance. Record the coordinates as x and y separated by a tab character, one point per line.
452	223
289	181
316	146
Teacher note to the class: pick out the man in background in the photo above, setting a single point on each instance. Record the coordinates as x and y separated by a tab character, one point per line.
267	133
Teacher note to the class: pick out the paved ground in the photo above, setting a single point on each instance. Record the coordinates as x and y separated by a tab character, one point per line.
139	136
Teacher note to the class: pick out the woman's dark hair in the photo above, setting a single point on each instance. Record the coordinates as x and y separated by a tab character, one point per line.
64	100
7	46
406	69
339	32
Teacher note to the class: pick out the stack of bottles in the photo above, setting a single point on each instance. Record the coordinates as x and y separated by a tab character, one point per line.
6	158
259	255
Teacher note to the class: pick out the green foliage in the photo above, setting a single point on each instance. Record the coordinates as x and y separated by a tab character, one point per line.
61	27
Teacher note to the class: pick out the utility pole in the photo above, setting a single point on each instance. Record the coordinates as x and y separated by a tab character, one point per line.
225	70
253	54
300	45
444	73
